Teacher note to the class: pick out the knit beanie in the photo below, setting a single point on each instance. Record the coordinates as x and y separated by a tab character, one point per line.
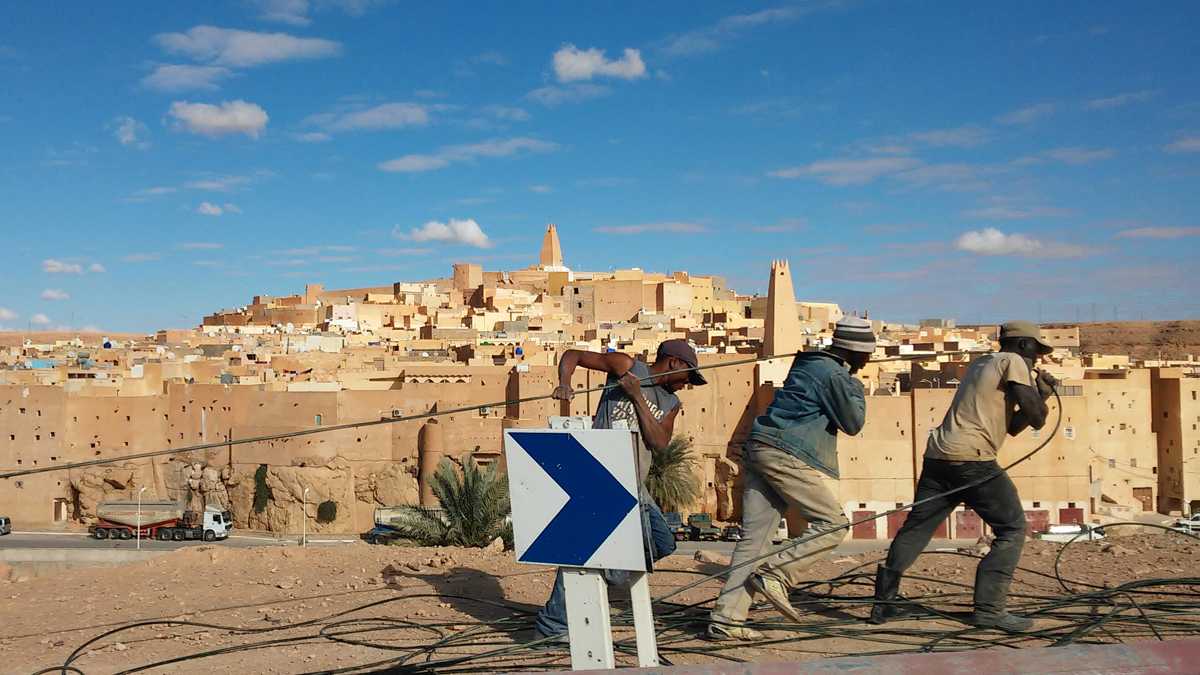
854	334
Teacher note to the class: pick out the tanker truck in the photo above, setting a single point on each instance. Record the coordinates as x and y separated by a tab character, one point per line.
162	520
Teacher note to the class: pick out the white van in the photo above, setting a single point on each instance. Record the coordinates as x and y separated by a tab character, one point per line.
781	532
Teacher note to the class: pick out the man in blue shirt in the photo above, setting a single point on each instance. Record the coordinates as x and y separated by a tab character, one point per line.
792	448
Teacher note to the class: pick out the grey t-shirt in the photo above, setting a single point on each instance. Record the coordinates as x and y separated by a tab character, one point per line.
615	406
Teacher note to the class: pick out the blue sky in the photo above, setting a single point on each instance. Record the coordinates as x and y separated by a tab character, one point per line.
978	161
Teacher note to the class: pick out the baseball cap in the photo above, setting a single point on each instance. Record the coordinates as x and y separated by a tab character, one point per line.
1025	329
683	351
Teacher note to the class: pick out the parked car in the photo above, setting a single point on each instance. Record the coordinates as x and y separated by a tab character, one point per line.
5	525
702	527
1190	525
732	533
1065	533
680	531
781	532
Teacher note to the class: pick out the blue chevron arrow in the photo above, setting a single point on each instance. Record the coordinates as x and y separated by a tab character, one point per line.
596	504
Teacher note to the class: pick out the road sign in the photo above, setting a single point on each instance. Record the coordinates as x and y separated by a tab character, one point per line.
574	498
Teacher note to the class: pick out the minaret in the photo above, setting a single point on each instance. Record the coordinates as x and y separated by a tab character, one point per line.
781	334
551	250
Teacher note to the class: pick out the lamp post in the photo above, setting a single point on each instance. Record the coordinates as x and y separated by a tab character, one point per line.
304	518
139	519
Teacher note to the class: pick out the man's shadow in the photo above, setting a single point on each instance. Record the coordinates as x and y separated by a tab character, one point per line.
471	592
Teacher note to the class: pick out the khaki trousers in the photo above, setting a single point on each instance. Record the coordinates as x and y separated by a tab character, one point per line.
772	480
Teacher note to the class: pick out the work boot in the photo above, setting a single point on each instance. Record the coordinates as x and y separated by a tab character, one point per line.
775	592
721	632
1002	621
887	586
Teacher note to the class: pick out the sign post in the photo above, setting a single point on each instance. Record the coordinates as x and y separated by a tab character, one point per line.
575	503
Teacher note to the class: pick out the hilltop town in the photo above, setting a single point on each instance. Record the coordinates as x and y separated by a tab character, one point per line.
476	341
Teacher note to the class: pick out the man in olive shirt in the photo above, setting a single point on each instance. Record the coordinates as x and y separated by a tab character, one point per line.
999	396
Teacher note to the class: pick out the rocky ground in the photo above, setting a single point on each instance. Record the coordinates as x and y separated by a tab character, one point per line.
313	605
1141	339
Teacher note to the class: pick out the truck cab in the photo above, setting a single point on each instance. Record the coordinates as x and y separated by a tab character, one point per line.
217	522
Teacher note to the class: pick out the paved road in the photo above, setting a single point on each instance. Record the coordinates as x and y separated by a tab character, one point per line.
82	541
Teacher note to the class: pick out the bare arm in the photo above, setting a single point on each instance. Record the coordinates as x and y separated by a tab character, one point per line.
656	434
1030	411
613	363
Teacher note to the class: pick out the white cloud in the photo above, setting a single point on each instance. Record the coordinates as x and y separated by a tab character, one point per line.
848	171
576	93
229	117
1184	144
200	246
39	320
7	314
455	231
541	189
146	194
313	137
406	251
96	268
712	37
1005	212
951	177
967	136
507	113
652	227
209	209
291	12
1159	233
178	77
466	153
55	294
1079	155
386	116
130	132
1120	100
52	266
993	242
1028	114
240	48
140	257
572	64
232	208
221	183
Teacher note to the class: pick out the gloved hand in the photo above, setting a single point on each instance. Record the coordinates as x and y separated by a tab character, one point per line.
1046	384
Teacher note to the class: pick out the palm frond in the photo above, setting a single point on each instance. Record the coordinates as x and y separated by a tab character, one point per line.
672	480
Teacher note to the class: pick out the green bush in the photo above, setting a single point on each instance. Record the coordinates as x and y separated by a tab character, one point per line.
474	509
672	480
262	491
327	511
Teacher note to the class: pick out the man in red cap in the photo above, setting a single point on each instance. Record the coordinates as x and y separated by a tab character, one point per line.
999	396
641	397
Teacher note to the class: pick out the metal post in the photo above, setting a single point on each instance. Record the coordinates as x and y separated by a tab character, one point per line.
139	519
588	623
304	518
643	621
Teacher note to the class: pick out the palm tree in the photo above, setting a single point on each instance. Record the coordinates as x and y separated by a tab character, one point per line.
672	480
474	509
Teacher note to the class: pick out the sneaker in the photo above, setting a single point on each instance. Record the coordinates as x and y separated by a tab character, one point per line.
775	592
721	632
541	641
1005	622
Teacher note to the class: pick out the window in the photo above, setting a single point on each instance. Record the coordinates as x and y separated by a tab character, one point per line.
1037	505
317	420
1133	462
1070	505
1112	463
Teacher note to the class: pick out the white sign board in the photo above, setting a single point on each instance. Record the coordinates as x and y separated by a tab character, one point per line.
575	498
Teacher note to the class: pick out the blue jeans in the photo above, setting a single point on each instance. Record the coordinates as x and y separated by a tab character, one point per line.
552	620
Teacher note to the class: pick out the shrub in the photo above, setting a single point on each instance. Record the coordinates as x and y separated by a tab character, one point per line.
474	506
262	491
672	480
327	511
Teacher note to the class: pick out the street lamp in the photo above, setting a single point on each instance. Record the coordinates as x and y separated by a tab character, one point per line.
139	519
304	518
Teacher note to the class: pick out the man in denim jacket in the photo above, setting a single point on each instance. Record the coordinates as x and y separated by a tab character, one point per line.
792	448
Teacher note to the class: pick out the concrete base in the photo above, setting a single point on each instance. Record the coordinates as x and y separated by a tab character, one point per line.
1140	658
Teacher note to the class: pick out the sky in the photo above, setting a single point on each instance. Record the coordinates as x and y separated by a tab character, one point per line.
980	161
